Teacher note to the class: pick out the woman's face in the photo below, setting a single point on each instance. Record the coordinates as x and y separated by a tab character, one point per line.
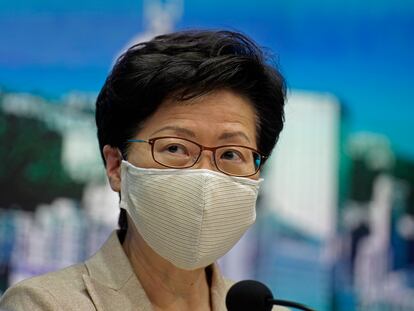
219	118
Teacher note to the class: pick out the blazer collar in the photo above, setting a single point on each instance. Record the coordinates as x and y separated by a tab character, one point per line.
111	282
110	266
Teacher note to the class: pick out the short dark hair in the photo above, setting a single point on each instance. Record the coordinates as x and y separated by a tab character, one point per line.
185	65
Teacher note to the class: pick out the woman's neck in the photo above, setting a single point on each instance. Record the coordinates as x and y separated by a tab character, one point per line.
167	287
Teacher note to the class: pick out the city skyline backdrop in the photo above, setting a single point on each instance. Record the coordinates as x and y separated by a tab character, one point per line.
359	51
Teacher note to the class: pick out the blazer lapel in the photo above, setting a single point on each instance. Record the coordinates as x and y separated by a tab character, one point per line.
111	283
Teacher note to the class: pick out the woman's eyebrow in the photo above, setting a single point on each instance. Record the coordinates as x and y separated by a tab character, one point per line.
177	129
227	135
190	133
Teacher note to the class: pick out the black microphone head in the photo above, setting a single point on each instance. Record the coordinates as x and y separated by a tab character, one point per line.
249	295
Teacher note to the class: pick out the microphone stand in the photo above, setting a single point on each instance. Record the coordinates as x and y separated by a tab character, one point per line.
286	303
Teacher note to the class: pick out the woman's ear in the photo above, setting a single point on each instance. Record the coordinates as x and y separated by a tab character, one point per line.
113	161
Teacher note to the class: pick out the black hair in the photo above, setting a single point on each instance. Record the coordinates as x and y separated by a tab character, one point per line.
184	65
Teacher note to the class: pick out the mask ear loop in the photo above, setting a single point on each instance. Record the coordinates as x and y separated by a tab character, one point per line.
121	155
122	220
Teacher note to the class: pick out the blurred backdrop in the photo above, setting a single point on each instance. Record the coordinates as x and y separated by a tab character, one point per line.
335	226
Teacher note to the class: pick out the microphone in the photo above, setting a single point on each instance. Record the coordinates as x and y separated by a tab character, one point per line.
250	295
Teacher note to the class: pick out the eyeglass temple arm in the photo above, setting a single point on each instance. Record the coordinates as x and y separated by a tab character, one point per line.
134	141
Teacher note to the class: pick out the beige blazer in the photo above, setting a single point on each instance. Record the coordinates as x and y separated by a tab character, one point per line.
105	281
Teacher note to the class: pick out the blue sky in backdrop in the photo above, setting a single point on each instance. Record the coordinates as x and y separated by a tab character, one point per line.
361	51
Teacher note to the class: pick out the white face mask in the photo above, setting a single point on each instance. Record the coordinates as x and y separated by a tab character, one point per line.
190	217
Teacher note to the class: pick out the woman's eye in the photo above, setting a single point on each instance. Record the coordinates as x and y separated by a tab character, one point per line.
230	155
177	149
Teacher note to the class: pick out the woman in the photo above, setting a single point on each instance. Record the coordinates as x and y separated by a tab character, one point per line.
185	123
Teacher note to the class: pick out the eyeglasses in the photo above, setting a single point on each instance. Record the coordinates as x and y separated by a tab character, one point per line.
175	152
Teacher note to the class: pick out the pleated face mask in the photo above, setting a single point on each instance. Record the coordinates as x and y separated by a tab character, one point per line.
190	217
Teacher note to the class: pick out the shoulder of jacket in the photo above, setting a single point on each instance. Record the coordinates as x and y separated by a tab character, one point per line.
43	292
24	296
69	277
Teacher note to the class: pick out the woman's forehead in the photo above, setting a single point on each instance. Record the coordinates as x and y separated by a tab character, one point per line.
223	114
